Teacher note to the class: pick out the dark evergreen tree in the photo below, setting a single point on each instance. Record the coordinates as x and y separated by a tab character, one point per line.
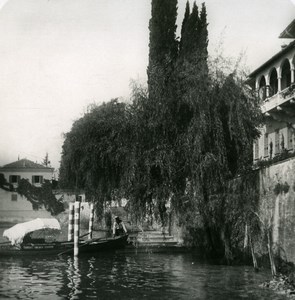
156	116
202	34
189	38
163	46
184	26
187	73
194	42
46	161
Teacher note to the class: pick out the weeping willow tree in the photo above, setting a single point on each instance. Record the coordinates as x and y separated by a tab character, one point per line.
182	139
205	139
219	145
40	196
97	153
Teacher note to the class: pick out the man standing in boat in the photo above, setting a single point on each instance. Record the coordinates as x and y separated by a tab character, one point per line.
119	228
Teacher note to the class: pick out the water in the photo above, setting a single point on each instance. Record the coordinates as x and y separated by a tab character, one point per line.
128	276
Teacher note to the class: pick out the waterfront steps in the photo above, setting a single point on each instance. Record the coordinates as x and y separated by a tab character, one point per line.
154	241
154	238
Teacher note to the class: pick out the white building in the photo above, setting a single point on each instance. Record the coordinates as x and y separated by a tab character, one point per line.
274	82
13	206
24	168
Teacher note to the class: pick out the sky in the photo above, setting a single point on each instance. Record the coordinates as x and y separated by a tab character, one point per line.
59	56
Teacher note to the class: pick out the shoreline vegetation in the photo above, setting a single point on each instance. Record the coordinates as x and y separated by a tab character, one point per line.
182	145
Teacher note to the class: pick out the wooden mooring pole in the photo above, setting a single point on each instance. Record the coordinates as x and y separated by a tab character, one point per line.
71	222
77	228
91	217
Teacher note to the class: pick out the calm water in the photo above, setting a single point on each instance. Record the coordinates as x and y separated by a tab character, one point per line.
128	276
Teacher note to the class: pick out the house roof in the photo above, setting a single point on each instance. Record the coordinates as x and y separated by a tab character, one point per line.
289	32
25	165
272	59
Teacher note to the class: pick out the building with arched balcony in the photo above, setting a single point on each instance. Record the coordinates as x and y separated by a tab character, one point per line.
274	82
274	151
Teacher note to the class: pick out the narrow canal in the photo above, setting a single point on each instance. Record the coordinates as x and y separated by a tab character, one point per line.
128	276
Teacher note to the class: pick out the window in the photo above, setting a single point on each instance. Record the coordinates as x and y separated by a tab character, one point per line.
277	141
262	88
282	142
13	197
273	82
14	179
266	145
37	179
286	74
256	150
290	138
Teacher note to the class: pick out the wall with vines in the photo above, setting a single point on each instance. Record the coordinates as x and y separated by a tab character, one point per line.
277	206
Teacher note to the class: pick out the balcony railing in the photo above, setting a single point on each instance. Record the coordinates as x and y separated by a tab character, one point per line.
279	98
283	155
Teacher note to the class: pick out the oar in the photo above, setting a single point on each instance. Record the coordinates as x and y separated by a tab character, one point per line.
83	235
64	252
86	243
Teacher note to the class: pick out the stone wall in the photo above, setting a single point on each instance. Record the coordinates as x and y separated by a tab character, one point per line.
277	205
276	208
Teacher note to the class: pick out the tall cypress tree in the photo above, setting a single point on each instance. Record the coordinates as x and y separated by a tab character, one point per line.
194	39
163	46
189	38
184	25
155	119
202	33
188	72
192	68
193	24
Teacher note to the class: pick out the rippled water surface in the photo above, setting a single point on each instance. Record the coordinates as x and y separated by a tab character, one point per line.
128	276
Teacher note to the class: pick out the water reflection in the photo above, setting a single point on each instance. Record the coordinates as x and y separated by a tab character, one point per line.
90	275
28	278
132	276
74	277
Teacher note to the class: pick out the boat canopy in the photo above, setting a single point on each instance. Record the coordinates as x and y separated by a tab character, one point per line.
17	232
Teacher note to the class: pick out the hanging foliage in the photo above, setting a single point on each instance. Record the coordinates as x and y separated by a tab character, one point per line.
182	139
40	196
97	153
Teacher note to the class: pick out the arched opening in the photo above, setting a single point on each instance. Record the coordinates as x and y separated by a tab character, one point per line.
273	82
262	88
286	74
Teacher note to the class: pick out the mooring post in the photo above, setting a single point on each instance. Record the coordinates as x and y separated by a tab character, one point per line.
91	217
71	222
77	228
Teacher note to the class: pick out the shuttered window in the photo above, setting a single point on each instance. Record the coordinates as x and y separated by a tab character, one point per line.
36	179
290	138
13	179
256	149
13	197
277	142
266	145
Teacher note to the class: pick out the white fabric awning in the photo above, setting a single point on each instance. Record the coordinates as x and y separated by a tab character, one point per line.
17	232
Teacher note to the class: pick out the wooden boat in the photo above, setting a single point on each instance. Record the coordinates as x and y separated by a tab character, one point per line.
60	248
19	245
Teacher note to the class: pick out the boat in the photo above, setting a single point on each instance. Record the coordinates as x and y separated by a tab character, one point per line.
21	241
